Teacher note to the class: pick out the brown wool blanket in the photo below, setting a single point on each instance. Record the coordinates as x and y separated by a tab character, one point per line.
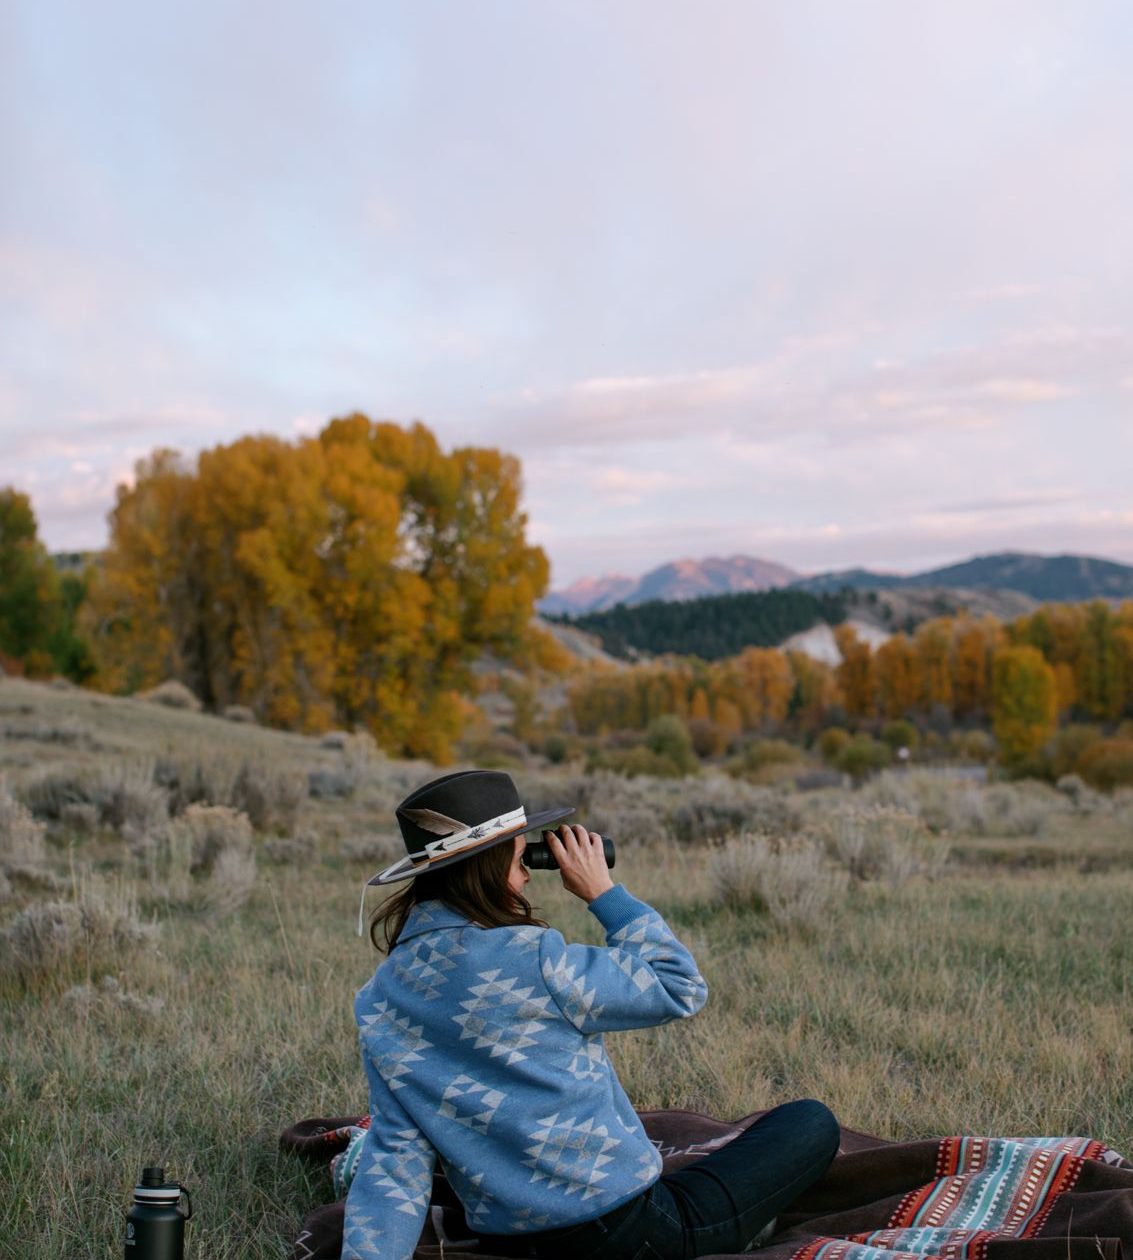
955	1198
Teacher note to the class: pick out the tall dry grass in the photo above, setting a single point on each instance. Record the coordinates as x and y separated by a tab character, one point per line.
989	998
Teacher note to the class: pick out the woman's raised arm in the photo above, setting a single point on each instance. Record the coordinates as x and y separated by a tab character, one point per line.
643	975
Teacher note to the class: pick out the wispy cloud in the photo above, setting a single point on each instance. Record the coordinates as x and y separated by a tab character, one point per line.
627	487
1010	503
805	386
726	298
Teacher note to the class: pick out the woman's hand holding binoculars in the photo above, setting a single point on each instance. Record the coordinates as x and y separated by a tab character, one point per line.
581	859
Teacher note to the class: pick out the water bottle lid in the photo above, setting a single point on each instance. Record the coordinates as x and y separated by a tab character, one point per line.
152	1187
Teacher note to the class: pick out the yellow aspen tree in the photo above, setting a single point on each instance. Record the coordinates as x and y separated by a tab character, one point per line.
855	673
973	643
1024	704
699	709
898	677
138	612
728	719
1098	679
585	696
677	679
766	685
816	690
932	644
1065	687
1123	641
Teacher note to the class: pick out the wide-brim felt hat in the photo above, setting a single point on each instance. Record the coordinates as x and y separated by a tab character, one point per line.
458	815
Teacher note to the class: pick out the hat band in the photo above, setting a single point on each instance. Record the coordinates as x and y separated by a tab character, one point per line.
466	839
473	835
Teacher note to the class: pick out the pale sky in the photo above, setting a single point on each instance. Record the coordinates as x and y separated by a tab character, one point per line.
832	283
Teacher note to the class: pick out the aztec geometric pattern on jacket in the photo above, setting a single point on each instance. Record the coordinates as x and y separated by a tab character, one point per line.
483	1048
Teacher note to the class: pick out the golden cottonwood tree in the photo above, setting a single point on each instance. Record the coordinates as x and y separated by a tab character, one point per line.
973	643
1024	703
855	672
766	684
1123	645
140	608
1099	676
932	644
898	677
347	578
816	690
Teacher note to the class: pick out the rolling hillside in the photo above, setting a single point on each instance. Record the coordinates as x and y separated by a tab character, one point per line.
1044	578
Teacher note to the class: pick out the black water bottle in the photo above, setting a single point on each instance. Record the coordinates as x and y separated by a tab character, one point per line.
155	1224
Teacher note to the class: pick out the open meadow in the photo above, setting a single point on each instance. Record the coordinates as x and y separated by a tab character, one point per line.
178	955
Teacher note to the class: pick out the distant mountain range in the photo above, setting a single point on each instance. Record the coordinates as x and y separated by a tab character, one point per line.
1044	578
680	579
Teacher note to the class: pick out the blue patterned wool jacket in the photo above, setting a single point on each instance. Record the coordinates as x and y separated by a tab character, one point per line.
483	1047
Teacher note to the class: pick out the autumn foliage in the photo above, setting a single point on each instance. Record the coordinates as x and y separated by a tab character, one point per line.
1018	678
344	579
1025	704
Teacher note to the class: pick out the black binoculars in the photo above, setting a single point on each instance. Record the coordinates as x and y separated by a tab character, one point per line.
537	856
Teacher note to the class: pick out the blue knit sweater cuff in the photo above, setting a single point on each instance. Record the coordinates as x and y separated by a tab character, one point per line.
616	907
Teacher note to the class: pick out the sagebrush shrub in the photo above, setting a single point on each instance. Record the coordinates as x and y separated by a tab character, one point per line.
98	929
109	993
128	799
287	851
204	859
122	794
329	783
208	778
1085	799
965	807
1121	804
880	842
792	882
49	794
69	732
271	798
172	694
380	848
626	808
705	819
21	835
81	819
1020	809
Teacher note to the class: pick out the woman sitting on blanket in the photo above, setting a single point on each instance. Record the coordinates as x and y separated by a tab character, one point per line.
481	1038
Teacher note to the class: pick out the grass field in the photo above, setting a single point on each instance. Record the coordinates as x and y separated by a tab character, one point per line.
169	1020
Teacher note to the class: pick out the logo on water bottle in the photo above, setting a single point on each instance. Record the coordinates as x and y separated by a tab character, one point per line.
129	1233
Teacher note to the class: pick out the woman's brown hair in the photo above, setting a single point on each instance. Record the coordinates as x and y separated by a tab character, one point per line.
476	887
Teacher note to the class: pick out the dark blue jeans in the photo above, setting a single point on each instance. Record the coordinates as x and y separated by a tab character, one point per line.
717	1205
